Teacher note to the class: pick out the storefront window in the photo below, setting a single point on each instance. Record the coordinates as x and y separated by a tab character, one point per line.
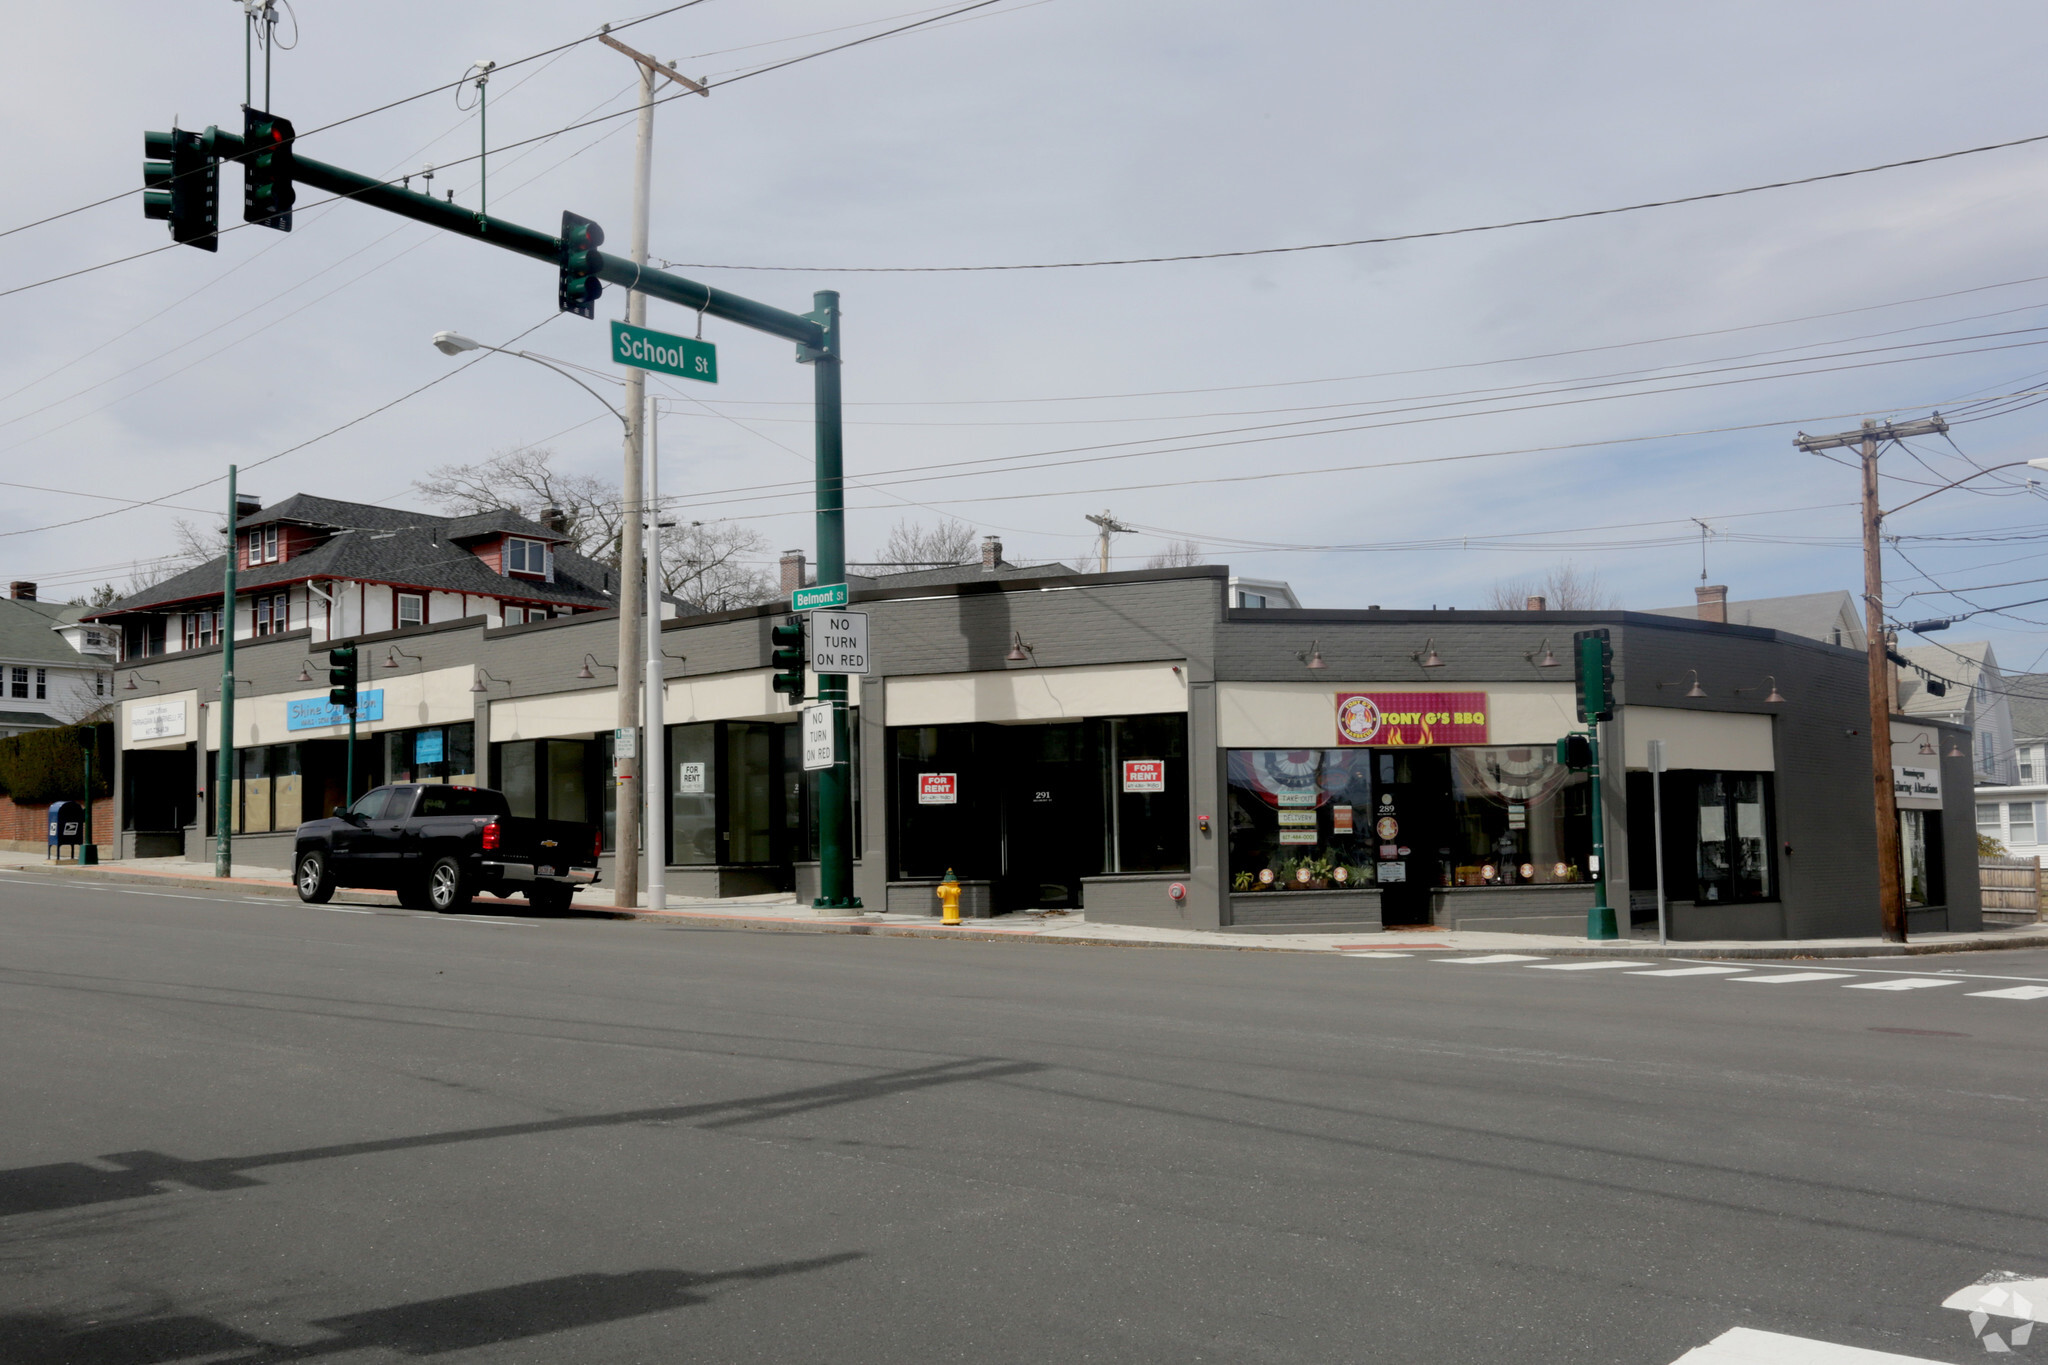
751	751
1148	801
1518	818
693	793
1734	839
268	789
1920	857
554	779
1300	819
433	753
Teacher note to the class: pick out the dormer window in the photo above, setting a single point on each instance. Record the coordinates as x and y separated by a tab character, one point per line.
262	546
528	557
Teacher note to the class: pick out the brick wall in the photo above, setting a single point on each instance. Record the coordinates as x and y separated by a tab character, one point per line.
30	824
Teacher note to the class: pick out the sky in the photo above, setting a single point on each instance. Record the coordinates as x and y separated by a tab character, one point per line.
1404	424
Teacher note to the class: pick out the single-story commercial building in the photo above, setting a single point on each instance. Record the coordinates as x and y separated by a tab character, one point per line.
1135	746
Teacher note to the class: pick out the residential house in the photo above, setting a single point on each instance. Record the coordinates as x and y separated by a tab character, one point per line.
1961	684
53	668
2018	817
1828	616
341	569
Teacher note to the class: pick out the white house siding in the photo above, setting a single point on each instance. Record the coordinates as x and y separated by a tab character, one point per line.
446	606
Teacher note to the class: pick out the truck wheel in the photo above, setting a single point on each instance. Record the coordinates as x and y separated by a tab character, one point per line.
547	898
412	894
447	889
315	882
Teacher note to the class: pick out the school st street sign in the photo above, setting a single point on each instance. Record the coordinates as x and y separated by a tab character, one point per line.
646	349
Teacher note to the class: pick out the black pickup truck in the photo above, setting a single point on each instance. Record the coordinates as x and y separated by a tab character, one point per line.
438	846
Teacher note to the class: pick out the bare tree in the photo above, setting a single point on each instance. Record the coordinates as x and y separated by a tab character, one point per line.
1564	586
526	481
1178	554
923	545
707	563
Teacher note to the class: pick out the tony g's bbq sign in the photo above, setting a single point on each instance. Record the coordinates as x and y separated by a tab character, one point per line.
1404	719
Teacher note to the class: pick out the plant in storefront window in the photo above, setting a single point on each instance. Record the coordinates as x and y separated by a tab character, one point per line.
1243	881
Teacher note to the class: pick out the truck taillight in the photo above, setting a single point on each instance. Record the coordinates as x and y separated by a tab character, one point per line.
597	845
490	841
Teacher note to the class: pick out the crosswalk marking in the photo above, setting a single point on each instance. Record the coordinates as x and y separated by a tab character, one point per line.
1747	1346
1691	971
1904	983
1582	966
1786	978
2015	993
1490	957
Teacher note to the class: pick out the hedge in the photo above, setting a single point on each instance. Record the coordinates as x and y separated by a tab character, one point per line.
48	765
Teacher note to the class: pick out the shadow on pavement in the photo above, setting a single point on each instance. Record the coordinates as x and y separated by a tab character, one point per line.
73	1184
457	1322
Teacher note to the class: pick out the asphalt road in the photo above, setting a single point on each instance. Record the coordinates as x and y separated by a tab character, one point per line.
257	1131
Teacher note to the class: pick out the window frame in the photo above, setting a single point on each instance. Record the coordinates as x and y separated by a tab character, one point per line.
42	684
529	551
398	601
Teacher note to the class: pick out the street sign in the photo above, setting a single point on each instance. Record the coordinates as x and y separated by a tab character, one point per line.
839	642
662	353
819	750
821	595
625	742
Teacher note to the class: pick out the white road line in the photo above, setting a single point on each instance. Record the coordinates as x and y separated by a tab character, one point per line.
1691	971
1489	958
2002	1294
1582	966
1787	978
1904	983
1371	954
1747	1346
340	910
2014	993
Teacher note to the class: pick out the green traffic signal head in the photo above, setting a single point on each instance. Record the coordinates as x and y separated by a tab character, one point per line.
788	656
267	170
580	263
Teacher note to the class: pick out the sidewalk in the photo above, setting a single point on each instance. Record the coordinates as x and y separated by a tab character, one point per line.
781	913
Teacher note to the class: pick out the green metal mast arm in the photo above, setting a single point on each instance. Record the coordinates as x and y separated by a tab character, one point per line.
541	246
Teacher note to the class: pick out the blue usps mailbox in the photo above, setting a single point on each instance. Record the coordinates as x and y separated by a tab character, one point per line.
67	826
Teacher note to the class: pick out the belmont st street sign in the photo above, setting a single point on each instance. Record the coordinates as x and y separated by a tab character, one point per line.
645	349
823	595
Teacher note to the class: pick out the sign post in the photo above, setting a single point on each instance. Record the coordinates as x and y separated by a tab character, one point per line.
1657	818
1594	657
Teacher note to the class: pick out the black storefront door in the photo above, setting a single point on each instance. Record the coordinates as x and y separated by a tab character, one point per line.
1052	815
1411	825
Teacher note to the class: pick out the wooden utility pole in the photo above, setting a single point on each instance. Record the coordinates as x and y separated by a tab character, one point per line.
1891	895
1108	525
646	754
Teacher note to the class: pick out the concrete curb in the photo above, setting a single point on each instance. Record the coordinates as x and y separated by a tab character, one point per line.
684	919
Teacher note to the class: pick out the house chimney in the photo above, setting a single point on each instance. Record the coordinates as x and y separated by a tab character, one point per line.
1713	602
555	519
246	506
22	592
792	570
991	553
1536	604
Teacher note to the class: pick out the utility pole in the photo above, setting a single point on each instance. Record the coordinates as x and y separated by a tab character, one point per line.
1868	439
628	768
224	775
1108	525
654	765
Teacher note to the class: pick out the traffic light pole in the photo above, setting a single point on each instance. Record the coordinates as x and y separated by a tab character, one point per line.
835	784
223	782
1600	918
817	337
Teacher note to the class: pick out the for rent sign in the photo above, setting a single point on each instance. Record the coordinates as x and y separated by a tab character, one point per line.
1406	719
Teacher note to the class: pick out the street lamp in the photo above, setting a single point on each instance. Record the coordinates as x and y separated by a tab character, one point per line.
455	343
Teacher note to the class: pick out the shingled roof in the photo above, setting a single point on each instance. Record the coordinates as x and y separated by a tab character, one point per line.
389	545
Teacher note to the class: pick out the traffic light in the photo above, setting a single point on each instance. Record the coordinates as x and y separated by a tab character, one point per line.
580	261
182	183
1593	664
267	192
789	657
1575	752
341	677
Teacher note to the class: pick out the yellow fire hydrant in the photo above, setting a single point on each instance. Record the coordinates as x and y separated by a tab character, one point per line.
949	897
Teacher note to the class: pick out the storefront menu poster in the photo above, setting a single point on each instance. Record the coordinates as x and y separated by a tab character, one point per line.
1406	719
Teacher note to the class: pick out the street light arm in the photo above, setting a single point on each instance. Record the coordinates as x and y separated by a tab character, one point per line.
528	355
2016	464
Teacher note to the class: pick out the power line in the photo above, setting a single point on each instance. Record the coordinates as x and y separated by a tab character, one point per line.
1368	241
288	450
